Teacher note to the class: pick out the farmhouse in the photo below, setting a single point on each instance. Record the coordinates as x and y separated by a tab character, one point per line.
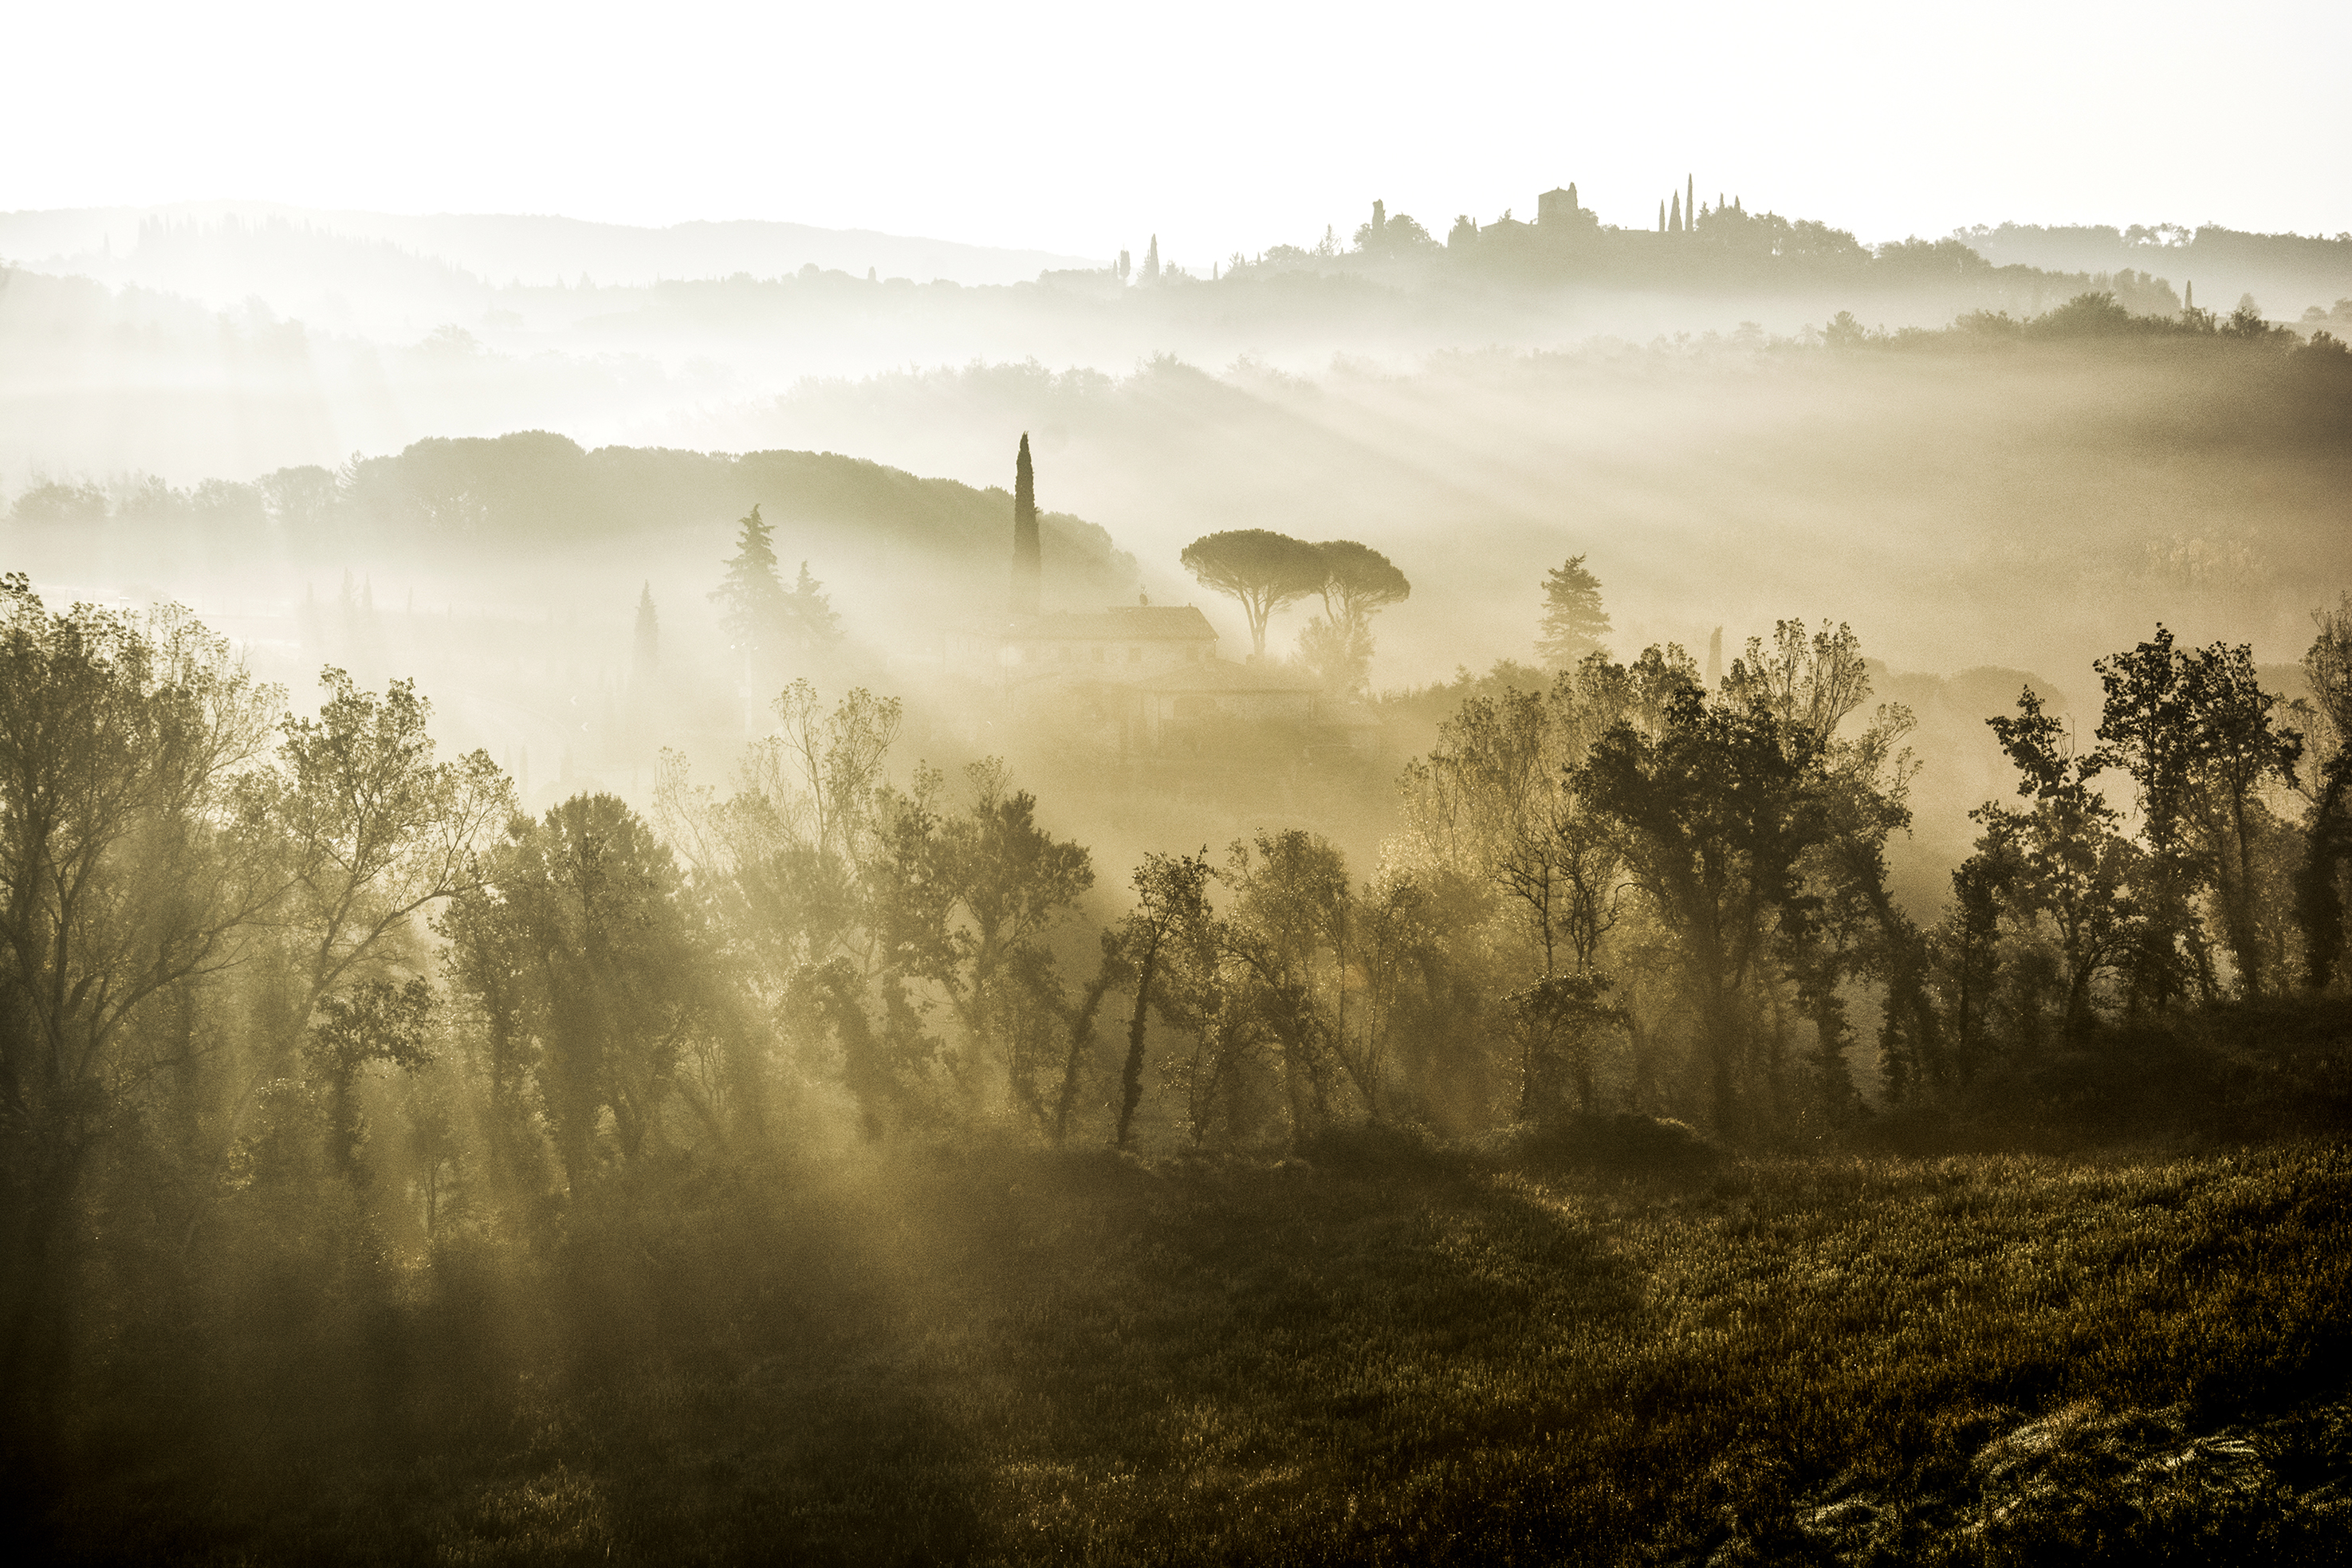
1140	678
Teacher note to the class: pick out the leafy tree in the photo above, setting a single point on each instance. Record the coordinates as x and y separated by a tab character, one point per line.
1285	953
303	506
1261	570
1557	1018
1392	234
2194	728
824	879
52	502
1809	683
588	901
1010	881
2240	751
1340	653
2064	859
1755	834
1848	926
373	1022
1717	814
1170	893
1496	802
375	831
1573	622
131	863
2318	891
2144	729
1966	949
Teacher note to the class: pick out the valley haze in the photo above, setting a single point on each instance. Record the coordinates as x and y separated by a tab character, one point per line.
1568	788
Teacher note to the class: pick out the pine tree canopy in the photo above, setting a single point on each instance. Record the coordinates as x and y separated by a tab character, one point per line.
1359	579
1264	570
1573	621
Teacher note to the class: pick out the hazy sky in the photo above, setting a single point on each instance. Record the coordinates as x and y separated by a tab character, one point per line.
1083	128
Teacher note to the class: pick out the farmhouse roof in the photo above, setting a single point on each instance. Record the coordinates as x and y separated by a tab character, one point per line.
1120	624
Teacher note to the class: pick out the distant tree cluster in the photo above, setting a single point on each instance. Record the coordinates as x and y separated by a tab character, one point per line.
534	489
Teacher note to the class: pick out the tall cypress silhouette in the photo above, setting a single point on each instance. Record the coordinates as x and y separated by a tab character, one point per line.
1690	202
1028	557
1662	217
1675	218
645	657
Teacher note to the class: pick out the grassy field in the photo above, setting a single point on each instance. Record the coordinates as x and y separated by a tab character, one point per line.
1613	1345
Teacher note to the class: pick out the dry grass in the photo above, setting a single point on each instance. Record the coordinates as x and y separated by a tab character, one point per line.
1382	1353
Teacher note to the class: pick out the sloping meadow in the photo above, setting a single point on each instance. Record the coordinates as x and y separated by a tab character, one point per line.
1607	1343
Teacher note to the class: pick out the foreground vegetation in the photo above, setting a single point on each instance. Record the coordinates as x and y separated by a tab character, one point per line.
1610	1342
390	1173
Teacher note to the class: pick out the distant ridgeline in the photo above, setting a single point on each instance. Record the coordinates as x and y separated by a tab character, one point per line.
535	488
2282	268
1700	246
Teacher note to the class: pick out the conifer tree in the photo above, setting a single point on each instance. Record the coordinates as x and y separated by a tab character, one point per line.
1028	559
1573	621
751	599
645	658
1690	202
1675	218
814	620
1662	217
1151	261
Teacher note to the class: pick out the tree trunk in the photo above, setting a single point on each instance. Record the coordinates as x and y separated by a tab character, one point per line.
1082	1034
1130	1077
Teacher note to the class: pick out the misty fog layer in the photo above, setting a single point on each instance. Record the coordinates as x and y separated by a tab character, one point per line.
1370	900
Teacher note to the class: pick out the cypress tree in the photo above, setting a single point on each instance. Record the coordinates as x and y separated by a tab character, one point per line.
1690	202
1675	218
645	659
1028	557
1151	261
1662	217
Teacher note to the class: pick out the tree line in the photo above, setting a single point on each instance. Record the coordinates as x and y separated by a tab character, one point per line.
296	991
533	488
